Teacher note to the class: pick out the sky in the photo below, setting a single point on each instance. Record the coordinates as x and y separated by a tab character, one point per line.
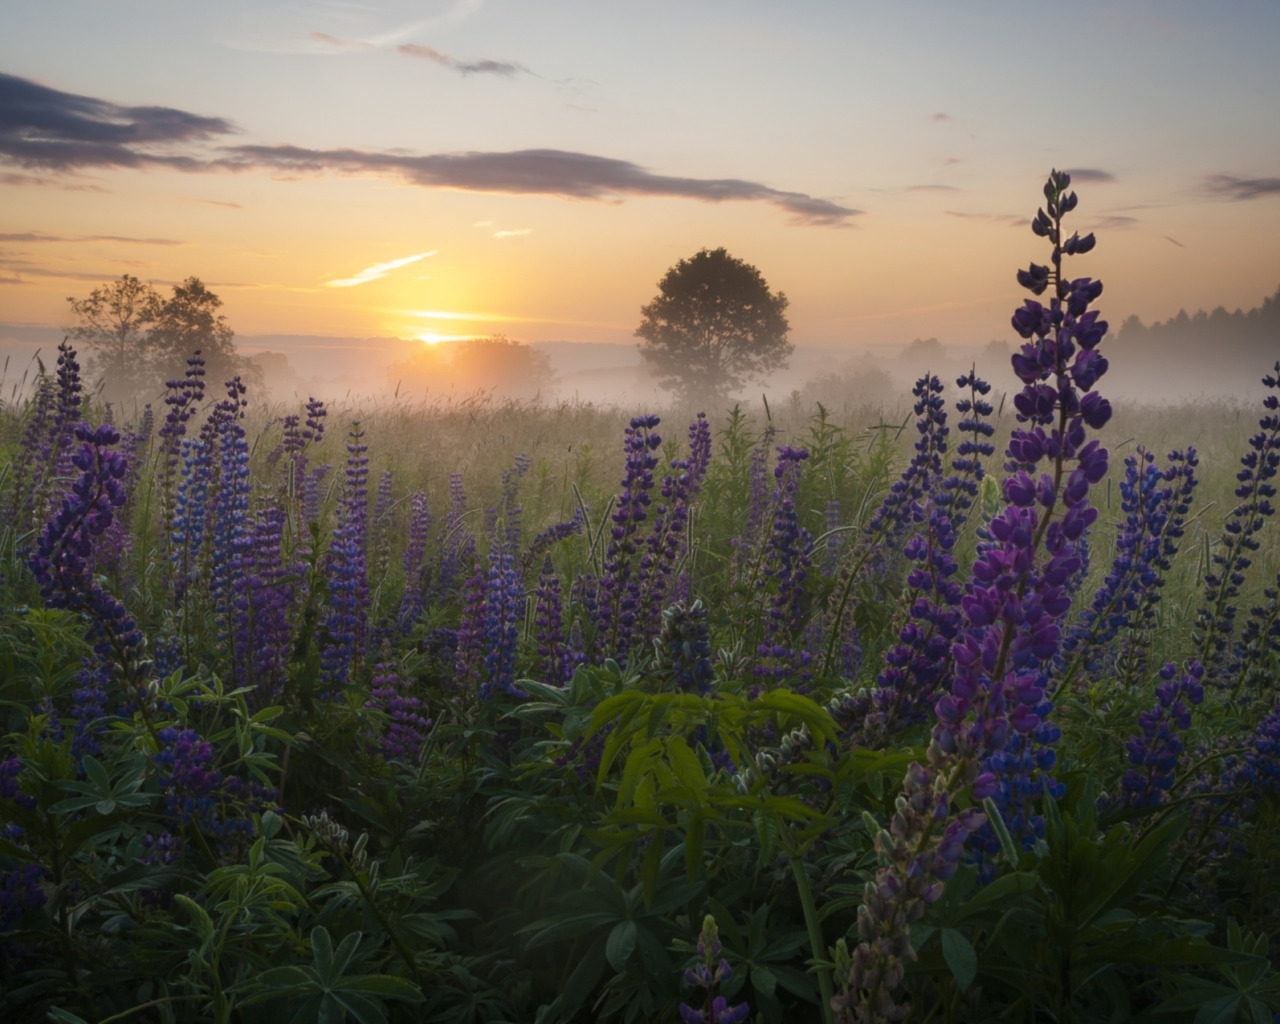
450	168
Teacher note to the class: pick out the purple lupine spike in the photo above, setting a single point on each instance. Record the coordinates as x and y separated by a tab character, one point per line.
924	471
619	589
503	613
996	715
469	652
231	533
711	971
406	728
62	561
415	568
788	559
1153	756
186	539
262	609
1155	503
33	462
657	577
457	543
1216	618
347	569
556	660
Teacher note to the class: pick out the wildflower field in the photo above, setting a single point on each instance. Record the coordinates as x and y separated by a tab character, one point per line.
550	714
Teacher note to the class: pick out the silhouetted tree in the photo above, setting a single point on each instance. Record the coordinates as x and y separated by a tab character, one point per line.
189	320
114	324
713	326
137	339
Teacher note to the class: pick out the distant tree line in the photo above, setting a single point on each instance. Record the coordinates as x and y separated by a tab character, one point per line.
1201	352
135	336
494	366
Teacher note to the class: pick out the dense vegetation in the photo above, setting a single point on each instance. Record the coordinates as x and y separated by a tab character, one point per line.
781	729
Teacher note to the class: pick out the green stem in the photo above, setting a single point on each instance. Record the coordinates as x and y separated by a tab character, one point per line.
816	944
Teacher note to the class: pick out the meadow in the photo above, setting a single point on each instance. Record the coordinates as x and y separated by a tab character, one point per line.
958	710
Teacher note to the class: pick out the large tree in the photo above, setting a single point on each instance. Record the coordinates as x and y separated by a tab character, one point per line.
138	339
713	327
189	321
115	325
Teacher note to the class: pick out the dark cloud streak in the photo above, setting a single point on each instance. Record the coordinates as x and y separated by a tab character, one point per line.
46	128
1228	186
540	172
506	68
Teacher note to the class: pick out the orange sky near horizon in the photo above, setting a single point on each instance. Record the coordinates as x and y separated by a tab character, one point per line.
885	217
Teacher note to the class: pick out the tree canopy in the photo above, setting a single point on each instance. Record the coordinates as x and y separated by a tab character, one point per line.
136	336
713	326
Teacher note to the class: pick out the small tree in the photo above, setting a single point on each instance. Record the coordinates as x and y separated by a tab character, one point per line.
713	326
115	322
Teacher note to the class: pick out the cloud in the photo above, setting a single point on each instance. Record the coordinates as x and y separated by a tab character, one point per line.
1115	222
337	43
1174	241
45	128
1012	219
552	172
1091	174
378	270
37	236
940	117
512	233
507	68
932	188
1228	186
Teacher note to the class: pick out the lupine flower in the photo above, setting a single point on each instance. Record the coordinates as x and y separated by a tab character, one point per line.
188	523
683	648
788	558
1215	621
619	597
62	560
406	727
182	397
414	560
668	539
1153	755
1011	611
457	545
469	651
347	570
1155	504
557	659
262	607
231	532
711	971
746	545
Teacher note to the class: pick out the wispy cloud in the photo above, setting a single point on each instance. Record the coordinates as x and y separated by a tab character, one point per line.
337	43
45	128
1228	186
37	236
506	68
552	172
1170	238
1093	175
932	188
1114	222
513	232
1012	219
940	117
378	270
